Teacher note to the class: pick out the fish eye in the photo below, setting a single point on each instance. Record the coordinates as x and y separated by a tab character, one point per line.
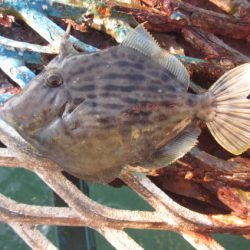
54	79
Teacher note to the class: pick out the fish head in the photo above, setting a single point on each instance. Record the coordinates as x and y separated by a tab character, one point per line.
46	98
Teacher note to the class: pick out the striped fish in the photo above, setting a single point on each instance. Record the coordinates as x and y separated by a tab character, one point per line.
94	113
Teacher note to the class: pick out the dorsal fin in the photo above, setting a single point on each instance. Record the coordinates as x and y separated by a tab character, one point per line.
66	48
142	41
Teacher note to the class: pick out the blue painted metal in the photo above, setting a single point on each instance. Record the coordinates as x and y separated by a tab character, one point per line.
61	9
5	97
14	55
25	56
189	59
11	45
12	64
121	32
49	30
16	69
176	15
35	13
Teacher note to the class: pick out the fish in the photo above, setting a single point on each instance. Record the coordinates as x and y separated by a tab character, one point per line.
95	113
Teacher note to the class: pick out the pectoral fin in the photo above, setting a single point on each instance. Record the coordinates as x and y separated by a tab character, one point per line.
142	41
176	148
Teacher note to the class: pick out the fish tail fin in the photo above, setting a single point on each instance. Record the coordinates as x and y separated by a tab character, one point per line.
230	125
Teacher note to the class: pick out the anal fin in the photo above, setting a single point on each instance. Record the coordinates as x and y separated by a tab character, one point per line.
176	148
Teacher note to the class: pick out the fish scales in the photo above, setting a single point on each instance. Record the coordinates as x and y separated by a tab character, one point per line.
115	111
115	77
107	123
94	113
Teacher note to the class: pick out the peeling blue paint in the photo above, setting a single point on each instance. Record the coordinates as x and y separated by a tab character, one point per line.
11	45
176	15
13	64
16	70
5	97
60	9
35	15
121	33
25	56
189	59
14	54
49	30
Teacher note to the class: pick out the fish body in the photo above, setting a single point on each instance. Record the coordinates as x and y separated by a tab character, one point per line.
114	107
95	113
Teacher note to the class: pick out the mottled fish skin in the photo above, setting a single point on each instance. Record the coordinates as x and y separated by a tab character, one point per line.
114	107
95	113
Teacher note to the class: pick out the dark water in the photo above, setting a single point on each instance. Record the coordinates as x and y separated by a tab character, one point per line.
26	187
23	186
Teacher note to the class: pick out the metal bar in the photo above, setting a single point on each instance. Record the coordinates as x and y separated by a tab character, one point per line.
33	237
9	44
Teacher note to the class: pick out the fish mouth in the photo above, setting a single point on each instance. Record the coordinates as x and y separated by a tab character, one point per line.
69	107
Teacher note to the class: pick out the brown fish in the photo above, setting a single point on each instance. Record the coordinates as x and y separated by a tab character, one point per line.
95	113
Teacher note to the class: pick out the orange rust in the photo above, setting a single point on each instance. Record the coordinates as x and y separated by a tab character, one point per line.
237	199
81	27
230	221
103	11
207	178
6	20
189	175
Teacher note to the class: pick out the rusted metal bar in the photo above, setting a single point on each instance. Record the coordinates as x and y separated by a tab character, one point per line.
212	46
240	7
179	14
32	237
202	241
119	239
